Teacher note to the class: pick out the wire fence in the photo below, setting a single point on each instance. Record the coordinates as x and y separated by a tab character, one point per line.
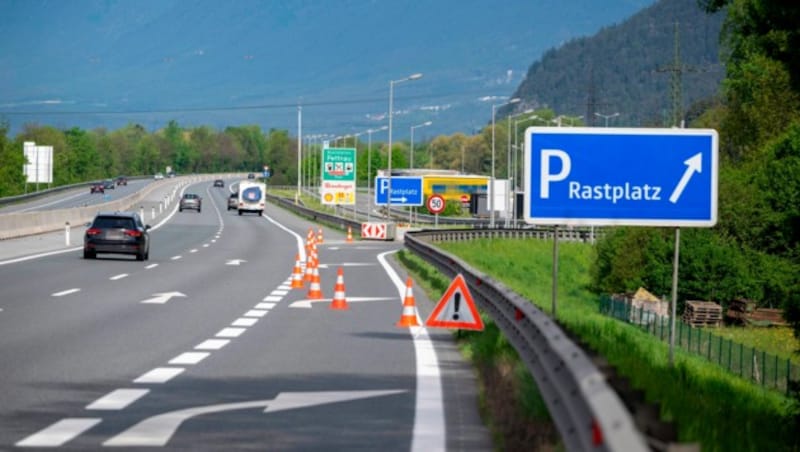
758	366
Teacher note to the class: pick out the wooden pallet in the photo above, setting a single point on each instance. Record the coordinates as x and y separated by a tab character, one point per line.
702	313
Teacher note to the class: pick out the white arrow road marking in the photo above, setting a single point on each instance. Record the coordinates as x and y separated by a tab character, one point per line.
59	433
65	292
235	262
158	430
161	298
693	164
308	303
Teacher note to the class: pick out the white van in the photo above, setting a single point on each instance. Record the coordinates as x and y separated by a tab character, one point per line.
252	196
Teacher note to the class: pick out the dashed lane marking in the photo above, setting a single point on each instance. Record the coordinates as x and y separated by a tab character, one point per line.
160	375
117	277
230	332
189	358
245	321
117	399
66	292
212	344
59	433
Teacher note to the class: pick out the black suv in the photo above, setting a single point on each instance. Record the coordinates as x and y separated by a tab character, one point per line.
117	233
122	180
219	183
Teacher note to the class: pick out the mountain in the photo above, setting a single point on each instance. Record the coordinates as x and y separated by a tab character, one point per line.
627	68
106	63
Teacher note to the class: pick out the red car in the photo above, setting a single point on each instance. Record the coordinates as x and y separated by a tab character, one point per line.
97	187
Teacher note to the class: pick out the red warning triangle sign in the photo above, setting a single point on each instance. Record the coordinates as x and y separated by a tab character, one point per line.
456	309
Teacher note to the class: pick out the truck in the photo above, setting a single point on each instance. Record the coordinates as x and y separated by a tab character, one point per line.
252	197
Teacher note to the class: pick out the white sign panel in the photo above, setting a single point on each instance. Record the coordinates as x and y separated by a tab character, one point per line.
39	163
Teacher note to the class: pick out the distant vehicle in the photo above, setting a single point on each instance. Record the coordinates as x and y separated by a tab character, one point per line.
190	201
122	180
252	197
158	176
97	187
233	201
251	176
171	174
219	183
109	184
117	233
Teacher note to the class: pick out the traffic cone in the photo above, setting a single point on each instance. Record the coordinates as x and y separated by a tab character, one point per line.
314	290
319	237
297	273
310	264
310	239
339	301
349	234
409	316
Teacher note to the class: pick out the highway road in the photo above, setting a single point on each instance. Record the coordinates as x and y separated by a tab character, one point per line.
206	347
76	197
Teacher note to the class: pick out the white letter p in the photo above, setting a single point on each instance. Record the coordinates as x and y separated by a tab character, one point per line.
566	167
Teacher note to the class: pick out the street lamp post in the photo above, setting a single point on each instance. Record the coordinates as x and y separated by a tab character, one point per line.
512	176
391	107
369	169
492	184
607	117
424	124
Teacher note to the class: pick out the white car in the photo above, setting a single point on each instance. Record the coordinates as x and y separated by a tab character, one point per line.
158	176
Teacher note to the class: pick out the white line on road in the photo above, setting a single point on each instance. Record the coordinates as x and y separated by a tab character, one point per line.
159	375
59	433
65	292
117	399
205	245
244	321
265	305
193	251
278	292
120	276
272	298
189	358
250	313
151	266
212	344
285	287
230	332
175	257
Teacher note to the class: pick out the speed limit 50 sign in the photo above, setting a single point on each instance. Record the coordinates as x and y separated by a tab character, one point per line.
435	204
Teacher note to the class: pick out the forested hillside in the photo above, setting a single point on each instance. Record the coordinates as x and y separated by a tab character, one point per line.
627	68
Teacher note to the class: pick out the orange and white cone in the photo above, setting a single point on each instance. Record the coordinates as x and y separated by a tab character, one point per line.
349	234
314	290
319	237
339	300
312	262
409	316
297	273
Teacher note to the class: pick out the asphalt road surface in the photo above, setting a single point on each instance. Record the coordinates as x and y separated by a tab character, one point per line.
206	347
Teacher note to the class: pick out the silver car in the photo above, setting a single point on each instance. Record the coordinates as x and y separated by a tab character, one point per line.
190	201
233	201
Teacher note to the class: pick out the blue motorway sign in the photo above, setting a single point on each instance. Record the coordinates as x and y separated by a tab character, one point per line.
620	176
406	191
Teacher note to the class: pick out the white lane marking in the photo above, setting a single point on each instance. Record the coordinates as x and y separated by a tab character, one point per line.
285	287
231	332
250	313
175	257
212	344
308	303
272	298
265	305
65	292
151	266
161	298
236	262
429	405
117	399
189	358
36	256
301	249
159	375
205	245
244	321
59	433
213	241
158	430
193	251
120	276
279	292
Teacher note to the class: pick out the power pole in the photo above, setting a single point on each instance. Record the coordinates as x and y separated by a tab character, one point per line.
676	70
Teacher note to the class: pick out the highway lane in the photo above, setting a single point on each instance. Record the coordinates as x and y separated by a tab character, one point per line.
79	197
235	335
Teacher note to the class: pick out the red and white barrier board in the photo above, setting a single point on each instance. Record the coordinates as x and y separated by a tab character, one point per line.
377	231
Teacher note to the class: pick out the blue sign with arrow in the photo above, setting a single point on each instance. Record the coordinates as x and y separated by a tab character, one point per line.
406	191
621	176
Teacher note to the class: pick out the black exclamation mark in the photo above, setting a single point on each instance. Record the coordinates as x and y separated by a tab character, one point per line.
457	297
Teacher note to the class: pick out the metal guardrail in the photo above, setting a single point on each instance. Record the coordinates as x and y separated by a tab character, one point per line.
585	409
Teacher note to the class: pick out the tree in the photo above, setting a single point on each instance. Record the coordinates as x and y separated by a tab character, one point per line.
12	179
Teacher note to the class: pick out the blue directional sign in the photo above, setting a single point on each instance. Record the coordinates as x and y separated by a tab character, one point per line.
406	191
621	176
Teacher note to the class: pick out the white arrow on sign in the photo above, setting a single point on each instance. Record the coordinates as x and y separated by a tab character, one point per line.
403	199
157	430
235	261
161	298
306	304
693	164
